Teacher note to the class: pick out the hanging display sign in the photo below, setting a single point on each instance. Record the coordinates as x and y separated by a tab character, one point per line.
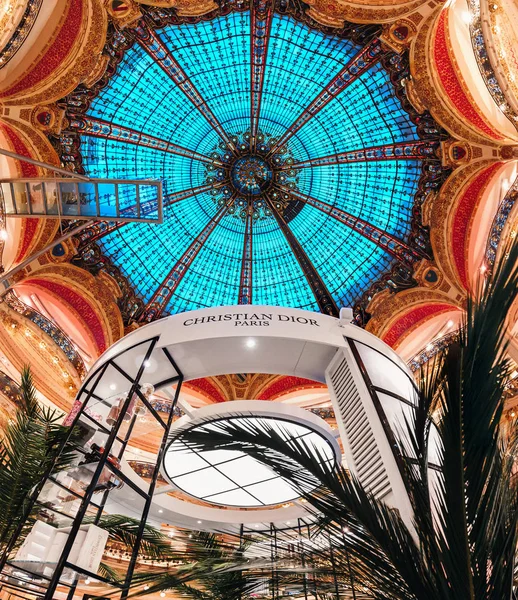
251	319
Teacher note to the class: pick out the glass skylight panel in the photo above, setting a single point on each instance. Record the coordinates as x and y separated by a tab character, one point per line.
202	483
183	461
238	497
273	492
218	457
218	266
246	471
277	274
334	258
300	63
225	476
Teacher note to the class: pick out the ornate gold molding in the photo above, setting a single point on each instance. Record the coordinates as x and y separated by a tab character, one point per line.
429	89
389	309
333	13
94	291
24	343
77	66
442	213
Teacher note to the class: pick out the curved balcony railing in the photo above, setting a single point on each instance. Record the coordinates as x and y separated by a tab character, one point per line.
15	26
432	349
50	329
478	33
499	222
9	388
323	413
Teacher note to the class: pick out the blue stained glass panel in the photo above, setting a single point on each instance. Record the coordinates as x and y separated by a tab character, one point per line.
215	58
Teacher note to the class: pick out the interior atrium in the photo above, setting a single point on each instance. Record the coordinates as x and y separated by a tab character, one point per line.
222	217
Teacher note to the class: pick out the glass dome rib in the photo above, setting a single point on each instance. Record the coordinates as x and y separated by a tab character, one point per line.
300	62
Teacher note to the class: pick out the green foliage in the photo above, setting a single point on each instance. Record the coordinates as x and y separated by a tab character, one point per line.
462	541
28	449
123	529
210	569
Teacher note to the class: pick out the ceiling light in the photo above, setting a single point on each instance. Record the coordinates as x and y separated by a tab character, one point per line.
450	323
199	522
147	364
87	581
243	481
190	535
251	343
160	511
466	16
146	587
113	386
3	235
162	594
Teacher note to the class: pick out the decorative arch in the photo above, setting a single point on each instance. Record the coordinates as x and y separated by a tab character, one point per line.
286	385
399	318
461	39
23	343
442	88
25	236
260	386
81	303
336	12
452	216
51	65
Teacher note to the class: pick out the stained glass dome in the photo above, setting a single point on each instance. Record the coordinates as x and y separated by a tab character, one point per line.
290	165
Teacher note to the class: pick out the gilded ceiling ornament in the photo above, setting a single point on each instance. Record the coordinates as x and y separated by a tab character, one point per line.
390	309
22	341
82	32
87	297
442	213
427	86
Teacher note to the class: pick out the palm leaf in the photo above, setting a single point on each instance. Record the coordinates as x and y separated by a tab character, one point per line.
465	526
30	447
124	529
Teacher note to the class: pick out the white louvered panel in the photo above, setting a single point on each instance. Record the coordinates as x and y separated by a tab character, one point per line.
368	464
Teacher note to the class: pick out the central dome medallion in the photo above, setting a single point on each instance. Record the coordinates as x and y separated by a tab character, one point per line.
251	175
293	169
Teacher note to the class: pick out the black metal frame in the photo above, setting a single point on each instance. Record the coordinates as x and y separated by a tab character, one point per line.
50	583
402	460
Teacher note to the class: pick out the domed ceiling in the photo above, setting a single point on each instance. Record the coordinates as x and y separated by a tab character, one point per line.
293	169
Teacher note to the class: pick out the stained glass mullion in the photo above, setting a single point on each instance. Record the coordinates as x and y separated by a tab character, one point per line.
300	62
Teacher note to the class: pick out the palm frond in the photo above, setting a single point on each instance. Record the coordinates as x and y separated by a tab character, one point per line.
466	516
30	447
124	529
109	573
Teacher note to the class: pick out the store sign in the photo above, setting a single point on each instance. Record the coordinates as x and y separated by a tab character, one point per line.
261	321
251	319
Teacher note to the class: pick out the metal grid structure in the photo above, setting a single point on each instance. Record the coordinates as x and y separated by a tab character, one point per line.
313	115
121	200
75	500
